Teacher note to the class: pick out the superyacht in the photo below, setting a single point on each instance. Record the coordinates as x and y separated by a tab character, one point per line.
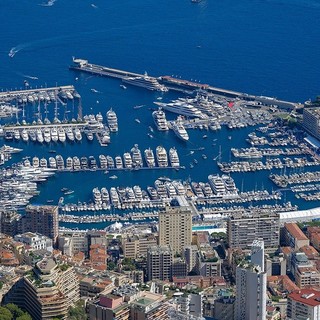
160	120
137	161
182	108
149	158
162	157
112	120
180	130
174	158
145	82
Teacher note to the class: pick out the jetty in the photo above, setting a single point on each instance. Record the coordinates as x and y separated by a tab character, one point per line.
177	84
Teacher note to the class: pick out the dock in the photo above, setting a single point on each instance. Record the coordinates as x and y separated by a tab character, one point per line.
177	84
10	95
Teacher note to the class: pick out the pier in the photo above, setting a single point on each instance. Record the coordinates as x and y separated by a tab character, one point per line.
180	84
13	94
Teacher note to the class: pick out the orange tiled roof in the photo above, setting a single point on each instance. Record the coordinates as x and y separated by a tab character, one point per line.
295	231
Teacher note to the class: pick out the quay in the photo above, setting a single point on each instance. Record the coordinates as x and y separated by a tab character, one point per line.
180	84
10	95
11	128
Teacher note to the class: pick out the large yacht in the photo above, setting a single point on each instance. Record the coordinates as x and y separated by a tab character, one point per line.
112	120
217	184
181	107
160	120
145	81
137	161
174	158
149	157
118	162
180	130
127	160
162	157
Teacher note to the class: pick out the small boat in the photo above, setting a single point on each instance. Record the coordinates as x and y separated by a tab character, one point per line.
137	120
113	177
123	86
139	106
68	192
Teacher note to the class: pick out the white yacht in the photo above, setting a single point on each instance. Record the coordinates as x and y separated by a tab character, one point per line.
69	163
114	197
99	117
160	120
136	157
137	192
112	120
61	135
183	108
103	161
145	81
43	163
127	160
217	185
35	162
54	134
76	163
174	158
16	134
180	130
52	162
149	158
70	134
32	135
105	195
118	161
77	134
47	135
162	157
24	135
89	135
39	136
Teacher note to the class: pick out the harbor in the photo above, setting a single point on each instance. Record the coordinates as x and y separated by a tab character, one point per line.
54	117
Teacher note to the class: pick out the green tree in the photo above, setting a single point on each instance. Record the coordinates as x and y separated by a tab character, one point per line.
78	312
111	265
25	316
5	314
14	309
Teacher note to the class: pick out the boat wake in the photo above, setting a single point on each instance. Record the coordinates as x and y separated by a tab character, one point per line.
49	3
13	51
30	77
94	6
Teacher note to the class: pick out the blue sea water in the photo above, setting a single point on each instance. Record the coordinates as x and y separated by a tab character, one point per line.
261	47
